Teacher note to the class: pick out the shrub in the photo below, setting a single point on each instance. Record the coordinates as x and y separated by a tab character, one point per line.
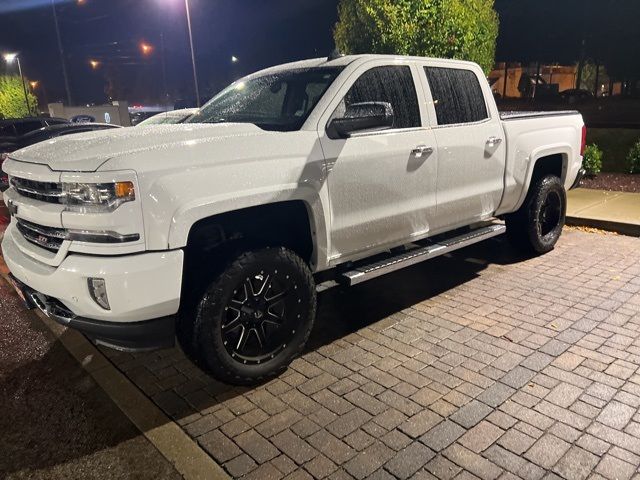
592	161
463	29
634	158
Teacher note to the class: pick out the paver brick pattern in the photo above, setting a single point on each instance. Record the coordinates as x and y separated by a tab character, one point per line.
481	364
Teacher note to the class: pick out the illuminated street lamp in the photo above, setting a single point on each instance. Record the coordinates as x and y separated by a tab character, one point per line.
34	84
63	63
9	58
94	64
234	59
146	48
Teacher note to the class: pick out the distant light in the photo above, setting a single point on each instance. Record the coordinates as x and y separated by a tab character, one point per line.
146	48
10	57
33	83
81	2
94	64
234	59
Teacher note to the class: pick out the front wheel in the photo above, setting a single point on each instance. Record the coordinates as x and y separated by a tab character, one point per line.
256	316
537	226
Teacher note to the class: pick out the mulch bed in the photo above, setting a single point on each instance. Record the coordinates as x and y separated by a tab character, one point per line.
613	182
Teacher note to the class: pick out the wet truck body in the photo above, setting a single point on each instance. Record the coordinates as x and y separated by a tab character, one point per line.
219	231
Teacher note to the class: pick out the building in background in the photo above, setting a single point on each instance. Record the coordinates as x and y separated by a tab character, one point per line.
116	113
551	80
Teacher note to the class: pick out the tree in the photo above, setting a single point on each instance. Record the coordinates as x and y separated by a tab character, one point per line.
12	104
462	29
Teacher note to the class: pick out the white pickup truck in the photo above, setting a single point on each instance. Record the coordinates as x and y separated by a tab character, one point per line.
219	231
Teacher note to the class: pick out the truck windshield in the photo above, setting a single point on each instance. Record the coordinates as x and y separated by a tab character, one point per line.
279	101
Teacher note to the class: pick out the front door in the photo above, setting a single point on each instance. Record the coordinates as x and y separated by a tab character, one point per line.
382	184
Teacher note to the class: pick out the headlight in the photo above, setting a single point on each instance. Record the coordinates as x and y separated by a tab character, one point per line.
97	197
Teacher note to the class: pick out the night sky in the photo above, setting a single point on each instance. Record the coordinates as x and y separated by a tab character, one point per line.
258	32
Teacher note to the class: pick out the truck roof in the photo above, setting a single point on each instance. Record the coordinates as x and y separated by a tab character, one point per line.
348	59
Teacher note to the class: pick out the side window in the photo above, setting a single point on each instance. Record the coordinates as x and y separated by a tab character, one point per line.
393	84
457	95
28	126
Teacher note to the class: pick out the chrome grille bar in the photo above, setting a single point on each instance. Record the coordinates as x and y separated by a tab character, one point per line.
45	237
50	192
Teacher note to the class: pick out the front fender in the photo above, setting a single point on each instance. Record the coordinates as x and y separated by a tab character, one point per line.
190	213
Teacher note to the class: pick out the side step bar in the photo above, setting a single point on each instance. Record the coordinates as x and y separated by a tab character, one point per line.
411	257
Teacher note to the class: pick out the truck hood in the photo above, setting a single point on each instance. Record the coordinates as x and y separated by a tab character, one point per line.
86	152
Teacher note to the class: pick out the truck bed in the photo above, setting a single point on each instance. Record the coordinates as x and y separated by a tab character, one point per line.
518	115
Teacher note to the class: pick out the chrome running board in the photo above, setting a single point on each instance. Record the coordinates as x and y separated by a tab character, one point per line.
390	264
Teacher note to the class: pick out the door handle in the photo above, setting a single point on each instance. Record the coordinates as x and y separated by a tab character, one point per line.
493	141
421	150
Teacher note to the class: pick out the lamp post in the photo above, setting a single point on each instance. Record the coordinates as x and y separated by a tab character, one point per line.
9	58
61	51
193	55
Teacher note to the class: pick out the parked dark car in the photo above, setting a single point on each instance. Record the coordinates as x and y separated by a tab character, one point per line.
43	134
12	128
4	179
54	131
575	95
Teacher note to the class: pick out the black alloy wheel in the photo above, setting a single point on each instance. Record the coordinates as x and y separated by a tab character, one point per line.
256	316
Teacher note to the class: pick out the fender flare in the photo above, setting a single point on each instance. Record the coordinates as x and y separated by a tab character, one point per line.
563	149
185	217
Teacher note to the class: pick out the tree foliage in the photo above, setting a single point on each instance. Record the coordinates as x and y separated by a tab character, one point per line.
12	104
462	29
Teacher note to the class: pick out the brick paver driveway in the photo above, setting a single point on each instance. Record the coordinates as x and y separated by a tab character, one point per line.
458	367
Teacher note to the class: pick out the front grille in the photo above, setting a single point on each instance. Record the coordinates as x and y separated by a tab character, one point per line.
45	237
50	192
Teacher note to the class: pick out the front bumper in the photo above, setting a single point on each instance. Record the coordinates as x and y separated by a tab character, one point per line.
141	288
125	336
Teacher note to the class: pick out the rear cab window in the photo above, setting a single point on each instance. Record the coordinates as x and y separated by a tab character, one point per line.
457	95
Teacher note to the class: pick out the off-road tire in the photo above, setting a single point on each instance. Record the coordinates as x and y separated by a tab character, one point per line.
536	227
212	312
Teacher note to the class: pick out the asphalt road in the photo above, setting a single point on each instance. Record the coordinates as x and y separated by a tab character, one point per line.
55	422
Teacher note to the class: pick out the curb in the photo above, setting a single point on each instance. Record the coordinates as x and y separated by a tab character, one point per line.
186	456
630	229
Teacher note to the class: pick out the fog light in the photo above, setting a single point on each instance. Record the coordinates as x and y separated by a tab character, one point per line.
98	291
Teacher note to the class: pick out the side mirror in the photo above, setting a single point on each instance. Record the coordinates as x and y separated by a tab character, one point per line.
360	117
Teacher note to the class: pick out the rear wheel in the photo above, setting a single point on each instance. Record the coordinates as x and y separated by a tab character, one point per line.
537	225
255	316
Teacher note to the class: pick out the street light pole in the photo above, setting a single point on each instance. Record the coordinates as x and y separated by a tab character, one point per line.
61	50
24	86
193	56
165	92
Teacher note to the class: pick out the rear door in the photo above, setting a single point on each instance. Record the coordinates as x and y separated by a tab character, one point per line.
381	184
471	150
